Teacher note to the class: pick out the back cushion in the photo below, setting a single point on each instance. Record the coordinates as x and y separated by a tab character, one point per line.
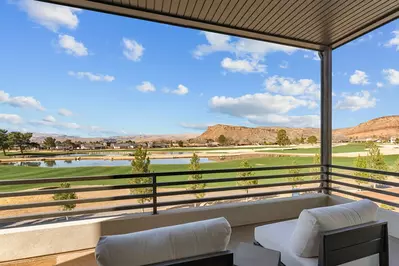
164	244
305	239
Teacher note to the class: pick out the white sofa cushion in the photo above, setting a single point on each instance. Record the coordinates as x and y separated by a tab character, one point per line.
277	236
164	244
306	237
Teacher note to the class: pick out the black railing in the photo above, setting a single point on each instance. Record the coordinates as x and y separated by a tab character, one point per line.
155	194
335	183
362	188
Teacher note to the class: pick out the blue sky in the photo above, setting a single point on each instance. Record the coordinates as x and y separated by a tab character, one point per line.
78	72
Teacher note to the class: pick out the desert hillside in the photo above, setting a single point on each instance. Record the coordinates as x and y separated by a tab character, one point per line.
258	134
383	127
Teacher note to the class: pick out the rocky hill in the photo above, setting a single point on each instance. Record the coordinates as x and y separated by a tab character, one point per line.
382	127
252	135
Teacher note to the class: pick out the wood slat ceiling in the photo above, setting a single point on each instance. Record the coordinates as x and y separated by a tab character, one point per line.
311	24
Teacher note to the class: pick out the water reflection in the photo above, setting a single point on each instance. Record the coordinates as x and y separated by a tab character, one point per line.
81	163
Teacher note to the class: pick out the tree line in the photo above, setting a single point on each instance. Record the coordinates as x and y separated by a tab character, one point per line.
21	140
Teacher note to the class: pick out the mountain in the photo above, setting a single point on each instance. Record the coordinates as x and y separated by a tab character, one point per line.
39	137
251	135
382	127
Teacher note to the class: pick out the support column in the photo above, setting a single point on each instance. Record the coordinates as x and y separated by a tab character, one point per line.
326	117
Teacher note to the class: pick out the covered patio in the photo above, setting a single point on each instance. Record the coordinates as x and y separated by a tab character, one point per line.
321	26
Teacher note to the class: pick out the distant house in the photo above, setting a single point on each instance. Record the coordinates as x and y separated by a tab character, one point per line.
88	146
159	145
213	144
119	146
109	142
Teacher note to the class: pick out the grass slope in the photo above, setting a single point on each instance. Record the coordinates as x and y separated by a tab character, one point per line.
356	147
26	172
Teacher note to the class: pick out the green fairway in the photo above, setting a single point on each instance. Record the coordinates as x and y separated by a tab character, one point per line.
97	152
353	147
27	172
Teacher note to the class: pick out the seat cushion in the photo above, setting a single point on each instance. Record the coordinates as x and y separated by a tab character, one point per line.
164	244
311	223
277	236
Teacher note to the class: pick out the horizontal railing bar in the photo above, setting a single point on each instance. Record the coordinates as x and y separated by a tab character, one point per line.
109	177
365	197
219	189
71	213
240	196
232	179
70	190
140	196
390	193
384	182
73	201
373	171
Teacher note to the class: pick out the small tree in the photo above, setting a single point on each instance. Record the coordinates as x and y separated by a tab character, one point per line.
312	140
4	140
282	138
66	196
295	171
141	164
49	142
397	141
375	160
222	140
361	162
21	140
387	207
316	160
180	143
249	173
195	166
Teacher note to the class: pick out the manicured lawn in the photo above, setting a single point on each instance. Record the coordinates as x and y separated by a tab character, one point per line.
355	147
184	149
26	172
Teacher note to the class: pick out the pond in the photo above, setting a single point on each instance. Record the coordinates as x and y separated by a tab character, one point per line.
73	163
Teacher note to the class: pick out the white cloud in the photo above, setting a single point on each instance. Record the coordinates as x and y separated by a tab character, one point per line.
312	55
249	53
51	16
241	47
359	78
10	119
132	49
286	120
392	76
284	65
316	56
394	41
71	46
91	76
64	112
289	86
20	101
196	126
243	65
380	84
50	119
181	90
356	101
255	104
146	86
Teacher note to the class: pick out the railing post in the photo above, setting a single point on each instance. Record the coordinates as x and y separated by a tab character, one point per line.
154	195
326	117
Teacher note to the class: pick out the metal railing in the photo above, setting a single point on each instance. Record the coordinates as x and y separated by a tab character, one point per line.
362	188
335	183
154	187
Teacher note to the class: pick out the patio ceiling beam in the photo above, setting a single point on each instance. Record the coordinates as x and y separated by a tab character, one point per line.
122	10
